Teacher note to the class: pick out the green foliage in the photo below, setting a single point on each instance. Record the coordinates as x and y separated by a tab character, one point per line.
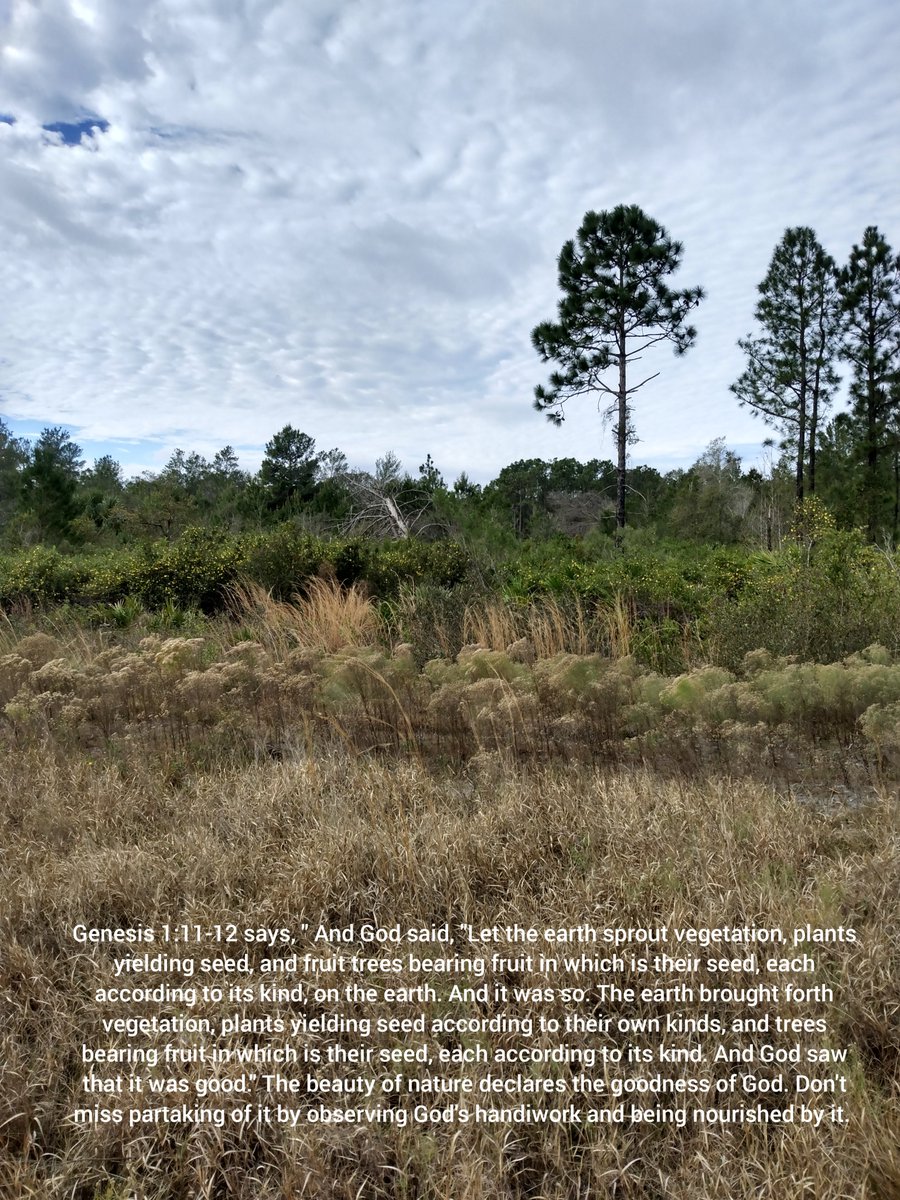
13	458
192	572
711	499
671	605
818	602
288	472
407	560
811	522
282	560
41	576
790	379
171	618
870	292
121	614
50	482
350	559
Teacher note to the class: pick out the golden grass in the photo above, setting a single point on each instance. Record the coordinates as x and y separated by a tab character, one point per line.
206	780
550	627
334	839
326	617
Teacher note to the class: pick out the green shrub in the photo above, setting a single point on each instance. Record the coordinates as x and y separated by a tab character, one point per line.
409	561
191	573
121	614
281	561
818	603
350	560
41	576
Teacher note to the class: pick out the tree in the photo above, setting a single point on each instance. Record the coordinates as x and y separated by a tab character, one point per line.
520	490
159	505
616	305
465	488
712	498
575	496
387	504
790	376
842	485
102	488
105	476
51	482
870	292
430	478
331	465
288	470
13	459
225	466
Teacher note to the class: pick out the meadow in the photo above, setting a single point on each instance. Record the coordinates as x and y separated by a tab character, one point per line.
284	762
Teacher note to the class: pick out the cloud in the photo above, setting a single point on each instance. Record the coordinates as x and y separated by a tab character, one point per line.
348	216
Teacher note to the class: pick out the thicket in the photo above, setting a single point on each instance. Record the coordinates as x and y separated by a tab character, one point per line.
196	569
825	594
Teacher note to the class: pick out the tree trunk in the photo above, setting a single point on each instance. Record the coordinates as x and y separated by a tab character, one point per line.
622	437
814	426
802	400
896	487
872	433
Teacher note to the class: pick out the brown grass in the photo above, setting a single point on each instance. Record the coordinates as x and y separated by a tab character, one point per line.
328	840
550	627
326	617
123	803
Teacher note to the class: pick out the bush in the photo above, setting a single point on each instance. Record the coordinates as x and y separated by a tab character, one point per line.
281	561
41	576
190	573
819	603
444	564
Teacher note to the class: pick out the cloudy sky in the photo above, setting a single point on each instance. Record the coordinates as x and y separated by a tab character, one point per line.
221	216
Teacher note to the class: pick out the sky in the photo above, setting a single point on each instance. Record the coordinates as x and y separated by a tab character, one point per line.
224	216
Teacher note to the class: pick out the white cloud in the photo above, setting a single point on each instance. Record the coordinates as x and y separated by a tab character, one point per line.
348	216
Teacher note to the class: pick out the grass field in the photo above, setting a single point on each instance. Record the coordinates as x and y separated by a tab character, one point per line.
270	781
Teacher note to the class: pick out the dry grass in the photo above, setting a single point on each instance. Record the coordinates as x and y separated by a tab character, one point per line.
326	617
328	839
240	693
193	780
550	627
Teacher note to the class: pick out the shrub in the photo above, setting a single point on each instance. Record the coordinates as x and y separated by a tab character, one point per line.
283	560
818	602
190	573
41	576
443	564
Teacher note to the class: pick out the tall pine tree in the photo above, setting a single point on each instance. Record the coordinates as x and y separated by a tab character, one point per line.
870	291
790	377
616	304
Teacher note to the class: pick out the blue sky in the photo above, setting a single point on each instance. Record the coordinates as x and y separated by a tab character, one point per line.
346	216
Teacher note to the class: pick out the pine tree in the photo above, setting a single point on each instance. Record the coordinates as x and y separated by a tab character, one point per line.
288	471
616	305
790	377
870	291
51	482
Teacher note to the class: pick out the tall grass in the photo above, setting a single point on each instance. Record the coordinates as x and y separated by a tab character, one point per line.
288	676
273	771
325	617
336	839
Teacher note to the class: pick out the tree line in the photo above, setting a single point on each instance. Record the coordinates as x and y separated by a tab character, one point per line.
811	316
48	495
